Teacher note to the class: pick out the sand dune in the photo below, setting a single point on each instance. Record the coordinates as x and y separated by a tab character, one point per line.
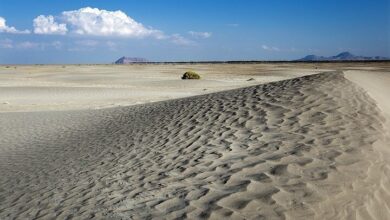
296	149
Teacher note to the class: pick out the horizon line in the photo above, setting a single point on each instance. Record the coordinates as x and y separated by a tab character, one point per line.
208	62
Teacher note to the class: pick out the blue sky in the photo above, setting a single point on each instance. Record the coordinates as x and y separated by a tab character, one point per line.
71	31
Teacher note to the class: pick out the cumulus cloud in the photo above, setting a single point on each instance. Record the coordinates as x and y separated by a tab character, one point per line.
268	48
100	23
200	34
7	29
93	21
47	25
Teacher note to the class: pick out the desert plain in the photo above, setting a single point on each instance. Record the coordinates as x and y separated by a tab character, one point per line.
247	141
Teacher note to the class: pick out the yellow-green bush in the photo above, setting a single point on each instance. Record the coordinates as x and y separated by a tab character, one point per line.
190	75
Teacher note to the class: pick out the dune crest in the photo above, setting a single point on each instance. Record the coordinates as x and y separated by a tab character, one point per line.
275	151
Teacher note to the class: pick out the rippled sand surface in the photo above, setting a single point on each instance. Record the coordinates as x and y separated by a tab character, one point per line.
299	148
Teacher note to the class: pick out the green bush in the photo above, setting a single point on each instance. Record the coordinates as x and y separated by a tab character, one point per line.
190	75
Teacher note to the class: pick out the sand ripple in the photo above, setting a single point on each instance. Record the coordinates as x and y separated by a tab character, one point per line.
273	151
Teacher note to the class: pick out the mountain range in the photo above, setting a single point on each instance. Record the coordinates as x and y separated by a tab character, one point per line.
341	56
344	56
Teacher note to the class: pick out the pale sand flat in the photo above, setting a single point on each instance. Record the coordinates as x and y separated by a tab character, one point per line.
377	205
47	88
290	149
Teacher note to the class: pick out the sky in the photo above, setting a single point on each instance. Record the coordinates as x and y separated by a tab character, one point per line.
101	31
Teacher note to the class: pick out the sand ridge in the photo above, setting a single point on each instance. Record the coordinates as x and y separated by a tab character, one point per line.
272	151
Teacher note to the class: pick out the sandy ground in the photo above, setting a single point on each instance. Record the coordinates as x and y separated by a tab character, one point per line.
312	147
376	84
40	88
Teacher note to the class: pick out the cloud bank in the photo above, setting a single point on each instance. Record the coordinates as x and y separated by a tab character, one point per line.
95	22
7	29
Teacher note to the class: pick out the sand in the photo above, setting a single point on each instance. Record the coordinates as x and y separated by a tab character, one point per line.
376	84
70	87
312	147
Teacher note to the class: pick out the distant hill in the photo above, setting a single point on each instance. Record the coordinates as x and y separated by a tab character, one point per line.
127	60
341	56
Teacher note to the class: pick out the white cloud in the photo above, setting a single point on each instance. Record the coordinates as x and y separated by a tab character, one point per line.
200	34
268	48
99	22
180	40
7	29
93	21
47	25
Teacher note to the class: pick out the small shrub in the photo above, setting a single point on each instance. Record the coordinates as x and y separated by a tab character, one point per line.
190	75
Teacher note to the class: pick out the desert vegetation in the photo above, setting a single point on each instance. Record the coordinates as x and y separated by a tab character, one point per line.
190	75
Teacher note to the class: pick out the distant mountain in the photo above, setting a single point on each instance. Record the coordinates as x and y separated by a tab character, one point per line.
127	60
341	56
312	58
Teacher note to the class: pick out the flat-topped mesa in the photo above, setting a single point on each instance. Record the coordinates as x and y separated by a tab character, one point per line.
127	60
